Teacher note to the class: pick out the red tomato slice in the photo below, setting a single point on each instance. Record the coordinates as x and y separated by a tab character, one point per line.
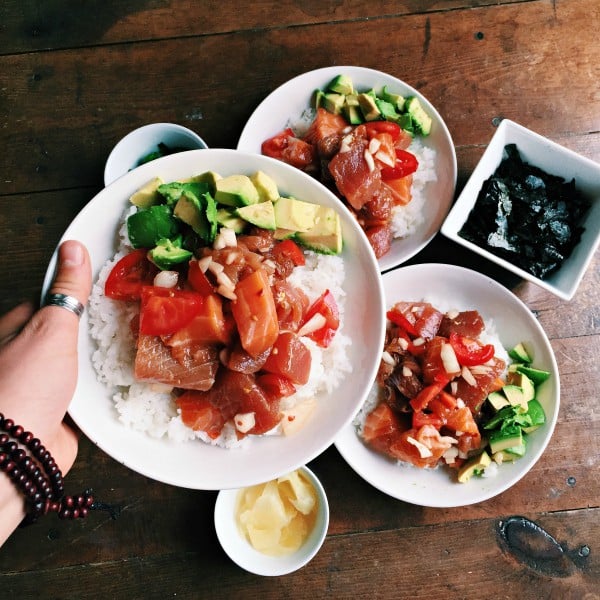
375	127
326	306
406	163
129	275
198	280
275	145
165	310
470	352
291	250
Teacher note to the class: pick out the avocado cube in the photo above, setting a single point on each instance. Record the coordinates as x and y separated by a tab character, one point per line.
294	214
395	99
236	190
519	353
325	236
333	103
509	437
148	194
169	253
227	217
521	380
420	118
262	214
497	400
514	394
341	84
538	376
368	107
474	466
265	186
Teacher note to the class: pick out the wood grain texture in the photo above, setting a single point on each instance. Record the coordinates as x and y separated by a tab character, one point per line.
74	79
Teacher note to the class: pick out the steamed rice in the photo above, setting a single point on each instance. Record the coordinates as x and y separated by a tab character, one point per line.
150	407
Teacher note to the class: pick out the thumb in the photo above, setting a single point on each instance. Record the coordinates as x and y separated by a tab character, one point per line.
73	273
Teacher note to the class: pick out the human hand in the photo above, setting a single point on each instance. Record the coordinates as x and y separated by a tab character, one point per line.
38	359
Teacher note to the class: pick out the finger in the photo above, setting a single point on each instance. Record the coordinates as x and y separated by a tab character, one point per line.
14	320
73	274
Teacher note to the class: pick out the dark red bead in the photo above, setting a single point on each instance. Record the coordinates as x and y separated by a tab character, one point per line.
16	431
34	444
26	437
4	437
8	424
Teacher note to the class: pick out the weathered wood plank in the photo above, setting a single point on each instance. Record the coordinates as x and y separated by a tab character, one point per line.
28	25
420	562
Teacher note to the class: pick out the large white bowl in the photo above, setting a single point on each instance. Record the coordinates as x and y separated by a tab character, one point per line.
195	464
464	289
288	102
556	160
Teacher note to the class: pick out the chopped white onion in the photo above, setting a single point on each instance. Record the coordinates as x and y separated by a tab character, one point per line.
370	161
204	263
227	292
424	451
403	343
454	388
460	403
166	279
313	324
418	341
374	145
387	358
406	372
385	158
215	268
468	376
225	238
223	279
452	314
449	359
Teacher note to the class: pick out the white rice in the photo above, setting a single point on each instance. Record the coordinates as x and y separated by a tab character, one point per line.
150	407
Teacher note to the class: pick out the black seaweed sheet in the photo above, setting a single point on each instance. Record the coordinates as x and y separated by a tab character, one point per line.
526	216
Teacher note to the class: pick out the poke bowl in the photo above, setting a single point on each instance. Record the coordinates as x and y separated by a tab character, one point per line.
418	214
443	483
128	429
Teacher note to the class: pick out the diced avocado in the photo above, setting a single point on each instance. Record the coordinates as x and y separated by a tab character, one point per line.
352	114
518	450
167	253
199	213
148	194
536	375
236	190
387	110
504	456
474	466
333	103
208	177
265	186
406	122
325	236
519	353
396	99
514	394
293	214
368	107
146	226
342	84
506	413
524	382
317	99
262	214
509	437
352	100
283	234
227	217
497	400
537	415
420	118
172	191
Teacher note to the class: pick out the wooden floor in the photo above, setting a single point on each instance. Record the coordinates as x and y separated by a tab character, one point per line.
77	76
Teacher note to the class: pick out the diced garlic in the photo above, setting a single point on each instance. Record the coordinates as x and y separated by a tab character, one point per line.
449	359
244	422
468	376
374	145
403	343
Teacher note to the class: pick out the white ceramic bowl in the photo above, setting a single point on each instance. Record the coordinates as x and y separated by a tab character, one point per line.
288	102
556	160
195	464
140	142
463	289
241	551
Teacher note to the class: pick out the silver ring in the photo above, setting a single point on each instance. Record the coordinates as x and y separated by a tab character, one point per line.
64	301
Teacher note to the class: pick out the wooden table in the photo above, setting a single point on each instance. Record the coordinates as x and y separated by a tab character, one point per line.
76	77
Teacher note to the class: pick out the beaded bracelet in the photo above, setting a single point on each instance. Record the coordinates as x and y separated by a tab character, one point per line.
37	475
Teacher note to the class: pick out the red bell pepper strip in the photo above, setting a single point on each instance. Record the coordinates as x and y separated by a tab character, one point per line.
469	352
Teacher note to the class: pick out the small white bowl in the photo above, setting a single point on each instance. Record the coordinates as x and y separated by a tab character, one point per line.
137	144
556	160
244	555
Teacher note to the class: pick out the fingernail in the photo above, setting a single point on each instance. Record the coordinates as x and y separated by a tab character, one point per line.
72	254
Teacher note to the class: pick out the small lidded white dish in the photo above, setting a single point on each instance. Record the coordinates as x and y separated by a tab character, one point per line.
138	144
254	528
553	159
